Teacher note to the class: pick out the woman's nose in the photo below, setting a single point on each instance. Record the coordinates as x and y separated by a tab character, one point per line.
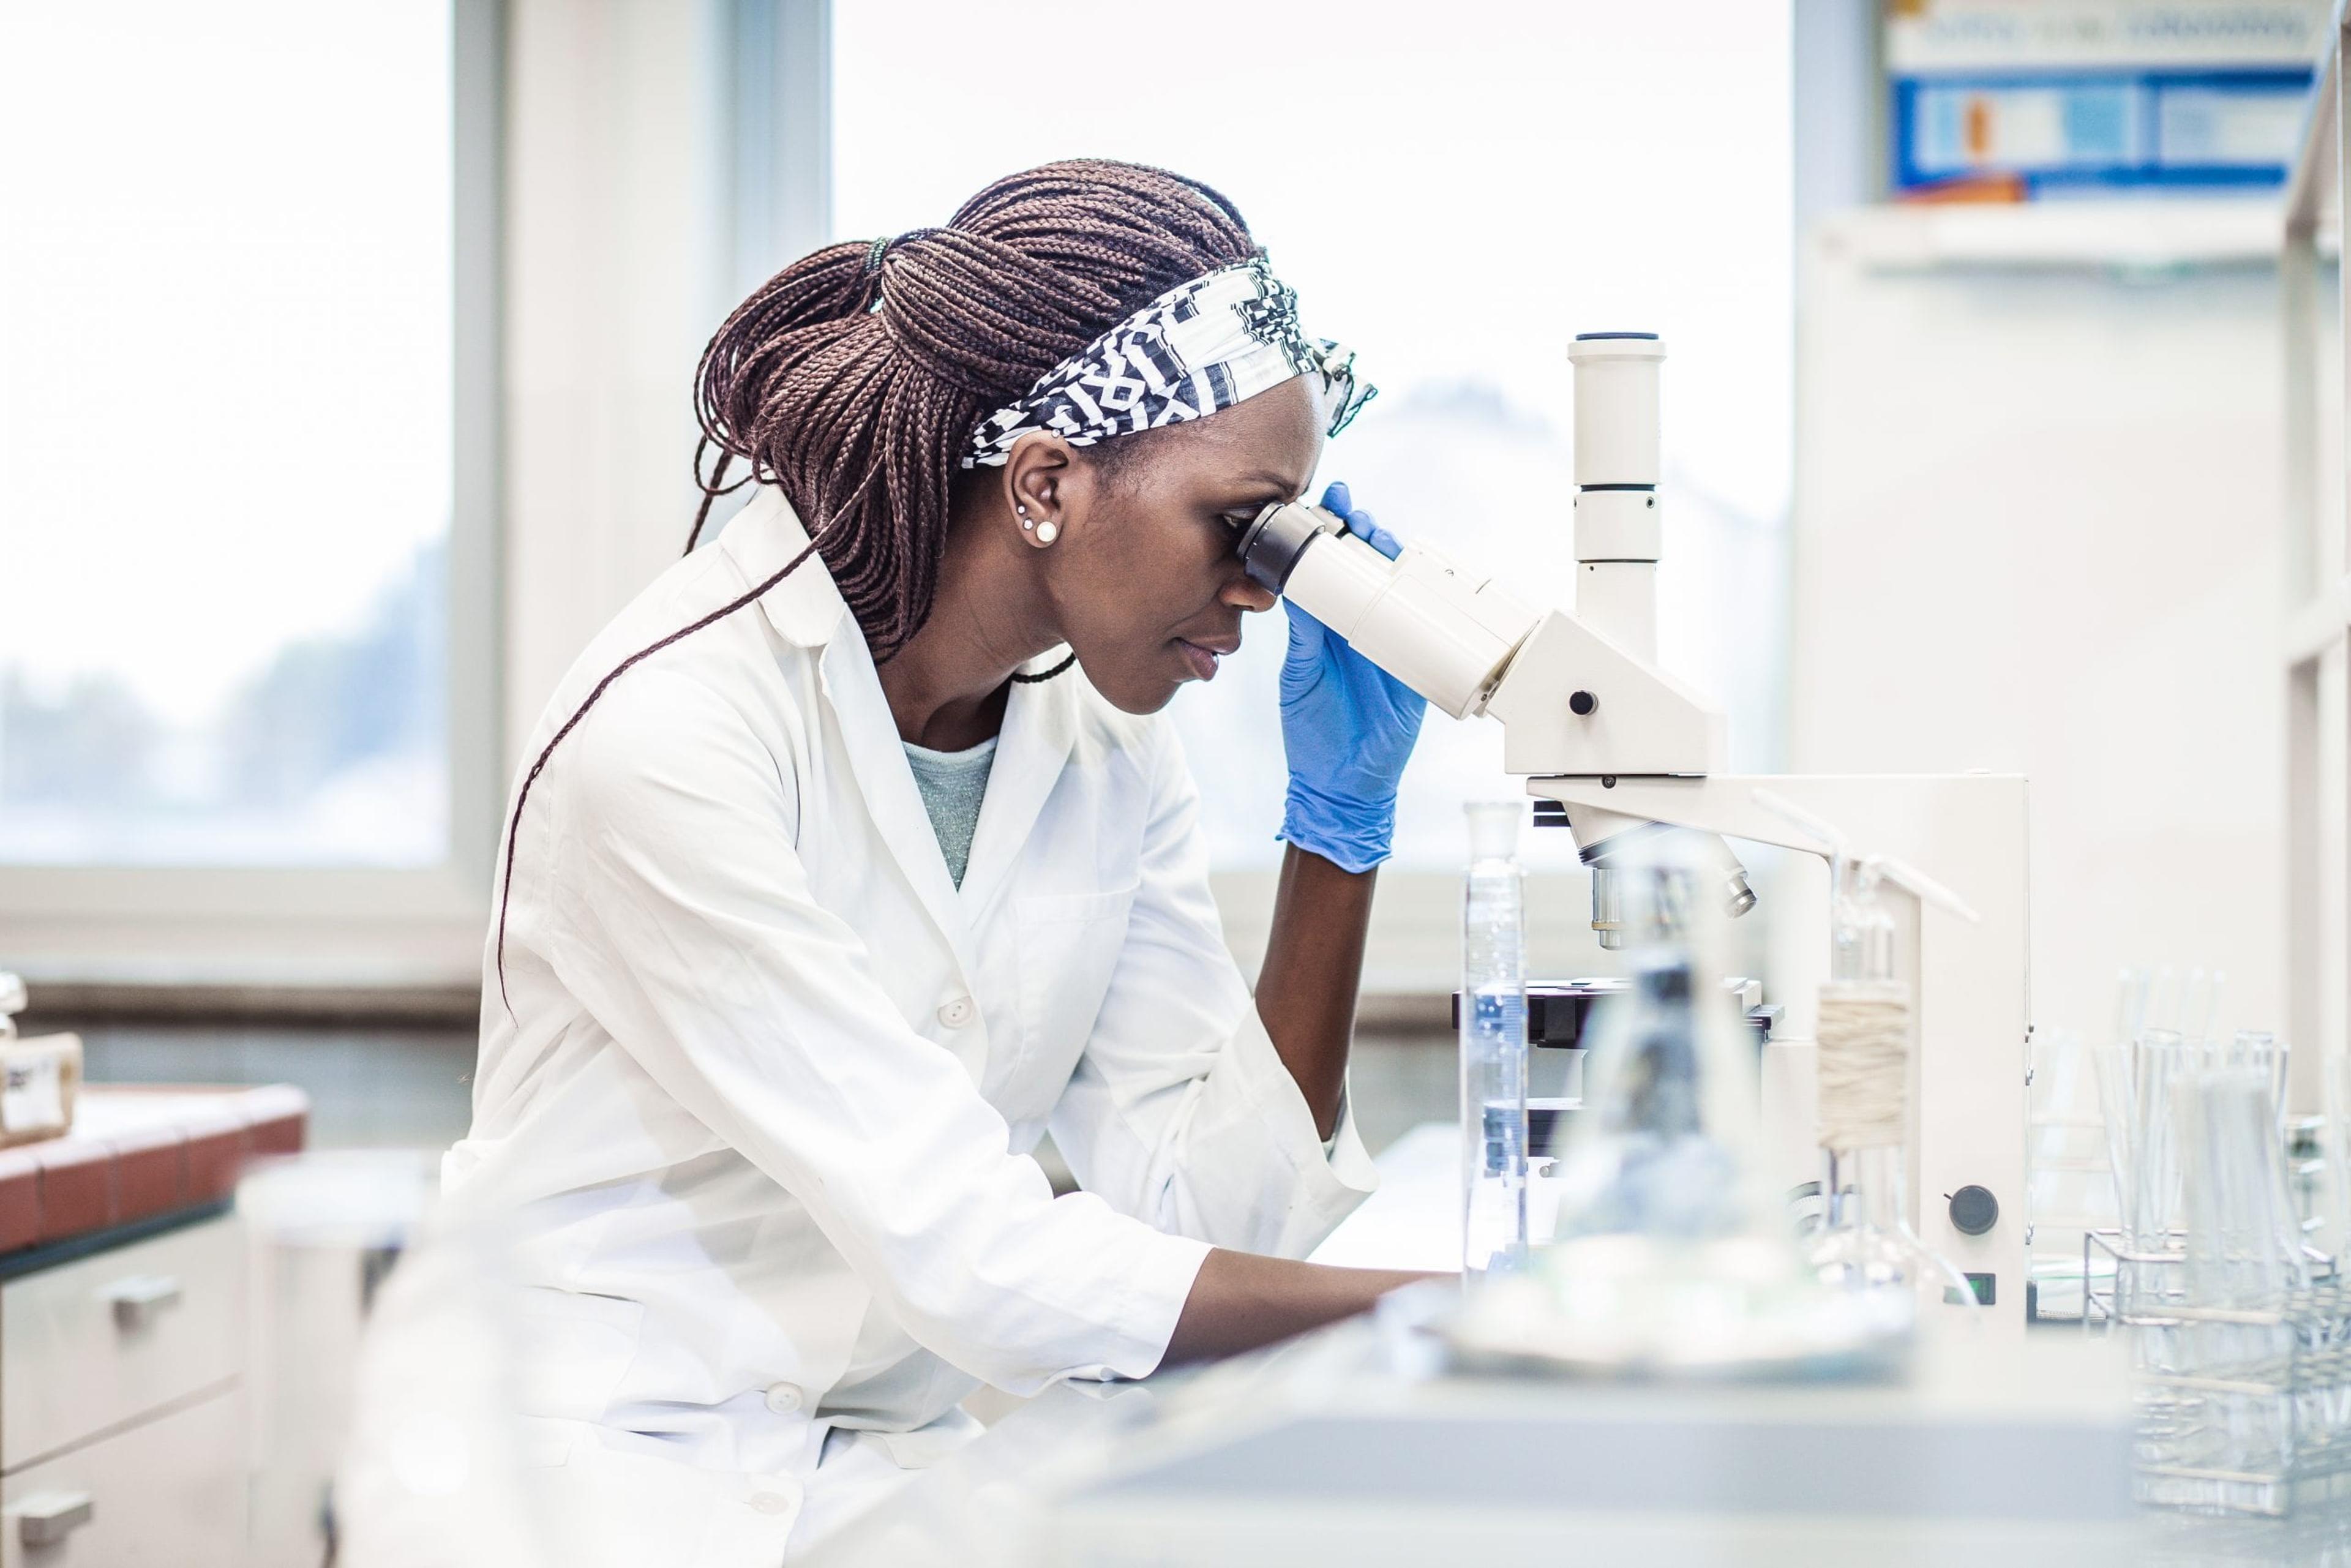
1244	592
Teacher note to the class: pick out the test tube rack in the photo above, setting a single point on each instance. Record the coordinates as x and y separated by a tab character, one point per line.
2240	1410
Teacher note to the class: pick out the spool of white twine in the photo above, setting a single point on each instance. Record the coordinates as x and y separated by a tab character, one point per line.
1864	1063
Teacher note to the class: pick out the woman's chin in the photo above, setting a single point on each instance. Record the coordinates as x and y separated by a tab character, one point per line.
1140	697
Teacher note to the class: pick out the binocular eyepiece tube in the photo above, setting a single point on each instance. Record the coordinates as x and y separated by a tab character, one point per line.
1441	631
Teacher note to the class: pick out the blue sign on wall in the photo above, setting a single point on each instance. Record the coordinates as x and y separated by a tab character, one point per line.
2075	132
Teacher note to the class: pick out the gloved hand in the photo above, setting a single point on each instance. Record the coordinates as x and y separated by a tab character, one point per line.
1347	727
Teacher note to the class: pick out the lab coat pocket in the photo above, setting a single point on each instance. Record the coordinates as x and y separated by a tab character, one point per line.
576	1349
926	1446
1070	945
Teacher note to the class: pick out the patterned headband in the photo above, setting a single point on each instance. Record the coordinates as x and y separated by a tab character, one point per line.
1200	347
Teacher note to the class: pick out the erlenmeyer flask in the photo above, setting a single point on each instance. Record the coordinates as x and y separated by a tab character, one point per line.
1672	1252
1653	1163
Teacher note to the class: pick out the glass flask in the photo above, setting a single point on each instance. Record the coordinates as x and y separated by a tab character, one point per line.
1662	1146
1493	1045
1672	1252
1866	1028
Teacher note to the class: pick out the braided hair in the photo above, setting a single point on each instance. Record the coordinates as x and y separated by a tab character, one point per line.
852	379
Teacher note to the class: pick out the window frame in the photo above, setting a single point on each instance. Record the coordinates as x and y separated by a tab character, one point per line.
178	925
2315	644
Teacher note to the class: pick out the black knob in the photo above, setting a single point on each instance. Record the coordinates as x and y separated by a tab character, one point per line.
1974	1210
1582	703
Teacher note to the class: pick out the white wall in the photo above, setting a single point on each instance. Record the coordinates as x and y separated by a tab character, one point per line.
662	158
613	280
2037	529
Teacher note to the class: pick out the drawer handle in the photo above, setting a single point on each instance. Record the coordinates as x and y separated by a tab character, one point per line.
138	1298
46	1518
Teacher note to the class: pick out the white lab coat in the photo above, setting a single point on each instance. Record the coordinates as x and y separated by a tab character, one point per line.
762	1108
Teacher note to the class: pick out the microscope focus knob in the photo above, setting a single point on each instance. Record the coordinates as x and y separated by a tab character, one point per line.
1582	703
1974	1210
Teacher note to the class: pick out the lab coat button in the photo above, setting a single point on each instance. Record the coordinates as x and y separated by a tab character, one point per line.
956	1013
773	1502
785	1399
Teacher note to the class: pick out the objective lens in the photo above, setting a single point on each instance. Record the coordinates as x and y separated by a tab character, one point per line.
1738	898
1607	909
1608	891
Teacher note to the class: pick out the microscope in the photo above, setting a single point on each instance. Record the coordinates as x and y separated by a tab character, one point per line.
1614	749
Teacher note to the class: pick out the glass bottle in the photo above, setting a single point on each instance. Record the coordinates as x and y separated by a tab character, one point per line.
1866	1243
1493	1046
1661	1149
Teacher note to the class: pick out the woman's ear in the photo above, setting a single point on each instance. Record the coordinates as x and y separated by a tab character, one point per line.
1037	478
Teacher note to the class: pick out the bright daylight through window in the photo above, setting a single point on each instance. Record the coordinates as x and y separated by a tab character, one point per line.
225	433
1645	186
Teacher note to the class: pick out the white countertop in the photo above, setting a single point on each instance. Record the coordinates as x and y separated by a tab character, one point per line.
988	1504
1413	1220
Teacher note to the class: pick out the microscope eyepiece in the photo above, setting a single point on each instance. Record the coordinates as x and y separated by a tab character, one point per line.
1271	542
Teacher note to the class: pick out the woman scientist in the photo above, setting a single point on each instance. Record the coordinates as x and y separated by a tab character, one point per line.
850	859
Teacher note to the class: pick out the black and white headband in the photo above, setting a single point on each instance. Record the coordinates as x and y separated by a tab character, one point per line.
1202	346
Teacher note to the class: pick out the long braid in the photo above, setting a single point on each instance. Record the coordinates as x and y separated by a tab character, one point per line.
852	379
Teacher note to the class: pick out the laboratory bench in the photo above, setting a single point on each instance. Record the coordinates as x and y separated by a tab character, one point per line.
1350	1446
123	1331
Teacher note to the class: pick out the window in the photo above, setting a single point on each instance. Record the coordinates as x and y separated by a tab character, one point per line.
1454	197
249	414
226	466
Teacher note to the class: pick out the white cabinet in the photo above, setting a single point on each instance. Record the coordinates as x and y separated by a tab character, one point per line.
168	1492
90	1344
121	1436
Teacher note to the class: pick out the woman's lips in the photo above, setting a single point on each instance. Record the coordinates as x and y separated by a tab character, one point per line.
1202	659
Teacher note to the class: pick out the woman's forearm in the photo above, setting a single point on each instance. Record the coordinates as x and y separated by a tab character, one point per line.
1313	965
1240	1300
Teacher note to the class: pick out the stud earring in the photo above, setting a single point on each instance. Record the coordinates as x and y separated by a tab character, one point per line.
1047	532
1025	524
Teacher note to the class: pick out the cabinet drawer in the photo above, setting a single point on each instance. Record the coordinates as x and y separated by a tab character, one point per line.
171	1491
90	1344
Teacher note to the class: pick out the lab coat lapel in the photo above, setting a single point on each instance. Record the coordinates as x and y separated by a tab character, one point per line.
807	610
878	758
1039	727
1041	722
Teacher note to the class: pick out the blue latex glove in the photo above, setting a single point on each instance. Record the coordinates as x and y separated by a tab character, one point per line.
1347	727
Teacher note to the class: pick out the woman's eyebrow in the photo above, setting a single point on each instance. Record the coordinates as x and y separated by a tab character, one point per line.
1273	484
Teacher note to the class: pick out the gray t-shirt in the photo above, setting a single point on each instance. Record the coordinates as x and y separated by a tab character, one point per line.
952	783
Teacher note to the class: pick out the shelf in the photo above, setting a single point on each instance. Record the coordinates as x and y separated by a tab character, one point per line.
2155	235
